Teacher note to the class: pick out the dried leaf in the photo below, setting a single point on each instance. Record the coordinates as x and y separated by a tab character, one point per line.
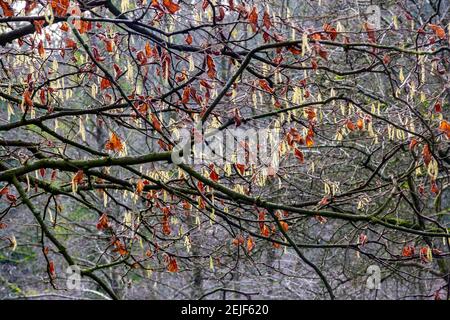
299	155
266	20
171	6
211	67
7	10
265	86
139	186
172	265
114	143
27	98
438	30
188	39
253	19
103	223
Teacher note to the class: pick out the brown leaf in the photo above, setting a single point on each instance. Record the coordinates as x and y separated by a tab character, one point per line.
156	123
265	86
438	30
114	143
7	10
250	243
188	39
51	269
71	44
139	186
105	84
41	49
205	84
426	155
27	98
109	45
172	265
103	223
299	155
253	19
266	20
171	6
214	176
332	32
444	126
186	95
211	67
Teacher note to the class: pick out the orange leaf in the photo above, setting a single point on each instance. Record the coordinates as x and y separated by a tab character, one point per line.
78	177
321	52
211	67
41	49
38	24
114	143
71	44
239	240
60	7
250	243
265	86
109	45
266	20
350	125
7	11
205	84
103	223
426	155
240	168
444	126
434	187
188	39
360	124
171	6
331	31
438	30
64	27
4	190
309	142
311	114
172	266
299	155
413	144
156	123
51	269
166	226
148	50
265	231
408	251
284	226
105	84
294	50
27	98
186	95
120	248
214	176
253	19
139	186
